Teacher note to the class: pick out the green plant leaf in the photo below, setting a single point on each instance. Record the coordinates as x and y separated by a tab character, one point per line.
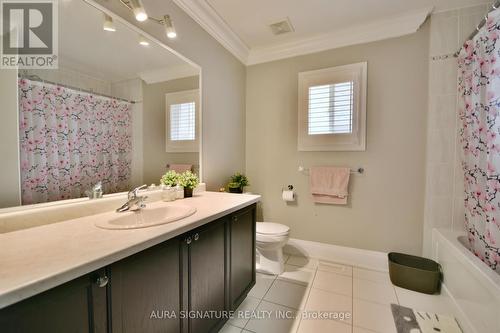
171	178
240	179
188	179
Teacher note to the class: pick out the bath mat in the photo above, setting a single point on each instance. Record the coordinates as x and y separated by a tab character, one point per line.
410	321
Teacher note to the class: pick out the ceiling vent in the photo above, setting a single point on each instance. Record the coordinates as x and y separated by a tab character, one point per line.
282	27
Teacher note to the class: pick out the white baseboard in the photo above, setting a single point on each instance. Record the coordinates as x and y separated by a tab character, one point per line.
341	254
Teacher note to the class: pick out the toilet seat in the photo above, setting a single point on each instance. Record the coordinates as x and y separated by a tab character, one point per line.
272	229
271	238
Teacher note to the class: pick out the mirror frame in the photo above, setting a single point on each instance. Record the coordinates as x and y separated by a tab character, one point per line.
136	29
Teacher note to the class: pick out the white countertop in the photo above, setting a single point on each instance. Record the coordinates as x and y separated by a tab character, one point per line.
40	258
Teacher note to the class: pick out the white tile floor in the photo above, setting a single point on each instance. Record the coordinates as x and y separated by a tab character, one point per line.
277	304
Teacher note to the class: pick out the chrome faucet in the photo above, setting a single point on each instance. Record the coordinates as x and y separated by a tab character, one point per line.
134	202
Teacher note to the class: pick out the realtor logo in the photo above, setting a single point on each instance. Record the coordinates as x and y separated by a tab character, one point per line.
29	34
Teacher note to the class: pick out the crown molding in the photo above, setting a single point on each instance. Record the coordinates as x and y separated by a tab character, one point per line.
210	20
405	24
168	73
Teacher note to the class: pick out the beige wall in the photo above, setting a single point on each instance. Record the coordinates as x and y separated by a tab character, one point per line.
10	193
385	211
155	157
223	88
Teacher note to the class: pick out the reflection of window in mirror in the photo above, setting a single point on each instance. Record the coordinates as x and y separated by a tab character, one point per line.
182	132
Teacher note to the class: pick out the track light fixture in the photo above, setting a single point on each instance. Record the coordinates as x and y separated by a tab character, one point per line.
108	24
169	27
137	7
139	11
143	41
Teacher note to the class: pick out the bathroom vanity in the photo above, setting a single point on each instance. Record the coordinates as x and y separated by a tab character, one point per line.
177	277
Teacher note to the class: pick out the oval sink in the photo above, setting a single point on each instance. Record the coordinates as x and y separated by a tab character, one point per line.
146	217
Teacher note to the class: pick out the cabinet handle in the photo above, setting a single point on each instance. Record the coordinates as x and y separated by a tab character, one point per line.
235	218
188	240
102	281
196	237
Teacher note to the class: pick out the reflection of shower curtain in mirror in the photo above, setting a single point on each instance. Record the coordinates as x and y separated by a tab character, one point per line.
479	109
70	140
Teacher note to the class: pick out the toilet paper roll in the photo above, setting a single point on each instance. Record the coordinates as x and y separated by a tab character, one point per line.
288	195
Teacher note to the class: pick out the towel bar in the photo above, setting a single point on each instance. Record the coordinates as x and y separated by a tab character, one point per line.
358	171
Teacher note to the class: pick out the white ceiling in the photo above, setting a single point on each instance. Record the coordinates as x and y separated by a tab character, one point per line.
242	26
112	56
250	19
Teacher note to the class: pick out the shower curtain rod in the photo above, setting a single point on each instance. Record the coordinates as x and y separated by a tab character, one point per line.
480	25
38	79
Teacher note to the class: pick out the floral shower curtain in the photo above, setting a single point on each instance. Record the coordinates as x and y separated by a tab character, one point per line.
479	110
71	140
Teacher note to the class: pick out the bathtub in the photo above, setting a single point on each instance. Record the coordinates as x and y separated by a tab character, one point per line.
465	243
472	286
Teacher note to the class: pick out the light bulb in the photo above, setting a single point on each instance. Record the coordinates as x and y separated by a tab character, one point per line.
139	11
140	14
171	34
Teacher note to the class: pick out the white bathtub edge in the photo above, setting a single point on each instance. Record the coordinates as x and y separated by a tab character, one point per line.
478	268
471	286
462	318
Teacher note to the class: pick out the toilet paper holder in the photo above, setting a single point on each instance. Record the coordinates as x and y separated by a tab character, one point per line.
288	194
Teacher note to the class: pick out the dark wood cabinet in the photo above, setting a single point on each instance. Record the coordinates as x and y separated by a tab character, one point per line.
204	284
77	306
242	255
184	285
145	290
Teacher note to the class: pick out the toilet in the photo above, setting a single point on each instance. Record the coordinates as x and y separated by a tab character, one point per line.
270	239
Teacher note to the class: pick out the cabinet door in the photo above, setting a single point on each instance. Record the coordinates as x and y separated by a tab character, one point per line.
145	292
76	306
206	276
242	240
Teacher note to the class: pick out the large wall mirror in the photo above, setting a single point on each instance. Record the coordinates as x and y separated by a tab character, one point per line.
120	110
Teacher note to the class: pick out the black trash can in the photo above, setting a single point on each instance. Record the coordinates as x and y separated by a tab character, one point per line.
415	273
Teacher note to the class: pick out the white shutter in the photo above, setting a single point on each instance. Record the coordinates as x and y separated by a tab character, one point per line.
331	108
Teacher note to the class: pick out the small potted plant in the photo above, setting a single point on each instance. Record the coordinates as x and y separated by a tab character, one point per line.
170	178
238	182
189	181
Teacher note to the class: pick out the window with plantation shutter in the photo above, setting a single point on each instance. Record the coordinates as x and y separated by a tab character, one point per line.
182	121
332	109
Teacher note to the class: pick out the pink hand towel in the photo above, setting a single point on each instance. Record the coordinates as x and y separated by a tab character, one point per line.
180	168
329	185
